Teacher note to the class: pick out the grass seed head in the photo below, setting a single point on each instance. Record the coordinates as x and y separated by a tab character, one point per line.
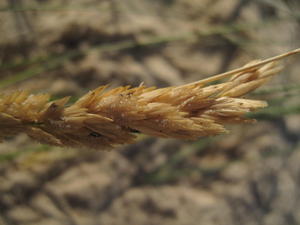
105	118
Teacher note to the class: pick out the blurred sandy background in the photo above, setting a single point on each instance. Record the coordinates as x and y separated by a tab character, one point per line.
250	176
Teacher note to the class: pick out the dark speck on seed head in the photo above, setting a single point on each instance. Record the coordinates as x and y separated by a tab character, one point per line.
94	134
54	105
134	130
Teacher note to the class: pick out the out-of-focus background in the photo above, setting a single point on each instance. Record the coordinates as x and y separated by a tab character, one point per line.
67	47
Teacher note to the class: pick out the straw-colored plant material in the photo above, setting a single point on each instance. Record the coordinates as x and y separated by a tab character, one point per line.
104	118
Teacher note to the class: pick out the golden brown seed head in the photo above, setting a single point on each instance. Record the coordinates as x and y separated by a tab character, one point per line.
102	119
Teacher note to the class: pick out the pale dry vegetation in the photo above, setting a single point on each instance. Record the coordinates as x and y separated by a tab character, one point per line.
103	118
50	49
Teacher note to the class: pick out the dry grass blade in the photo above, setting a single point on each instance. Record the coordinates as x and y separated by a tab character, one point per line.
102	118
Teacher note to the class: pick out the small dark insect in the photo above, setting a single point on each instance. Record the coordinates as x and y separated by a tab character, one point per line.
94	134
134	131
54	106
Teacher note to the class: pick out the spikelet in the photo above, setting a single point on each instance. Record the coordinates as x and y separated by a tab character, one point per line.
104	118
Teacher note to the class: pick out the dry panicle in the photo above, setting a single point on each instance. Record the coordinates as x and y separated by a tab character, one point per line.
104	118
